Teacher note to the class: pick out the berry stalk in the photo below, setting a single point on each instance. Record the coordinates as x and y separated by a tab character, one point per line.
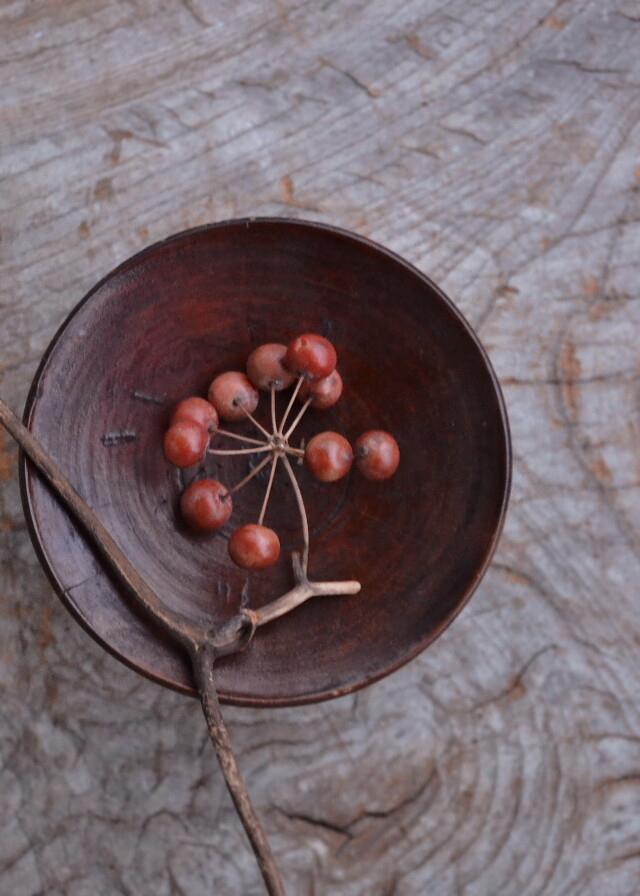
248	478
235	435
250	416
303	512
297	420
272	474
231	451
290	405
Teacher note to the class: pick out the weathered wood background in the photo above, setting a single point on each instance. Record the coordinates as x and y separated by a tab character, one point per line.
497	146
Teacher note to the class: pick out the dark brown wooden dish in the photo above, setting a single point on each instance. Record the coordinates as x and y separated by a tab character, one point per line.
160	327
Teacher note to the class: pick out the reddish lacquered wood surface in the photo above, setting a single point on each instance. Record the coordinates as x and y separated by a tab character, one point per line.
160	328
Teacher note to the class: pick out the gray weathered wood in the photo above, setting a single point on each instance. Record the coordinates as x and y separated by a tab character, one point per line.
495	145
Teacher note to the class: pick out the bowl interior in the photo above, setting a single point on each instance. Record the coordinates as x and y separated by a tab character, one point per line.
160	327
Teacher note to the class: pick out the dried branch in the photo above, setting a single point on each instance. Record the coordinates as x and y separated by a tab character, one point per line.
174	623
203	661
204	645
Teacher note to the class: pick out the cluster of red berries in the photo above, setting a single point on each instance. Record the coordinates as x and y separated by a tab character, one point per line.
310	362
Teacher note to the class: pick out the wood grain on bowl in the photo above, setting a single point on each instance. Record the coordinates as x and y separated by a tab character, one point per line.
159	328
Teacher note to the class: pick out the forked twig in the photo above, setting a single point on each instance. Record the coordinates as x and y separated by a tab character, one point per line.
203	644
303	590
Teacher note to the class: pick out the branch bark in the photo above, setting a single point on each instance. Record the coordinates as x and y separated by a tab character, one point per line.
203	660
203	645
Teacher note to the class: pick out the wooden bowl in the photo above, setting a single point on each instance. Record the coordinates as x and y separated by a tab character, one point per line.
159	328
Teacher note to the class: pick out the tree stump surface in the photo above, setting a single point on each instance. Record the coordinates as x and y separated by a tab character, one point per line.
496	146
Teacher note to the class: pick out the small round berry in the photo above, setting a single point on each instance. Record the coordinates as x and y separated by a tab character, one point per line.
232	394
323	393
254	547
329	456
311	356
198	410
265	367
206	504
377	454
185	443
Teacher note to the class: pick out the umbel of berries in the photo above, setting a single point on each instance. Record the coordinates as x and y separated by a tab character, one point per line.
307	366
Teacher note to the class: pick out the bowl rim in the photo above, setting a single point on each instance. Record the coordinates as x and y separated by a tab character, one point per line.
26	470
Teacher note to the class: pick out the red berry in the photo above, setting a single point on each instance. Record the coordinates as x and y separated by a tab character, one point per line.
311	356
377	454
254	547
206	504
329	456
198	410
232	394
323	393
185	443
265	367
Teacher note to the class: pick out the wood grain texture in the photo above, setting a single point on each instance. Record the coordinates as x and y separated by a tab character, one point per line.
497	147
